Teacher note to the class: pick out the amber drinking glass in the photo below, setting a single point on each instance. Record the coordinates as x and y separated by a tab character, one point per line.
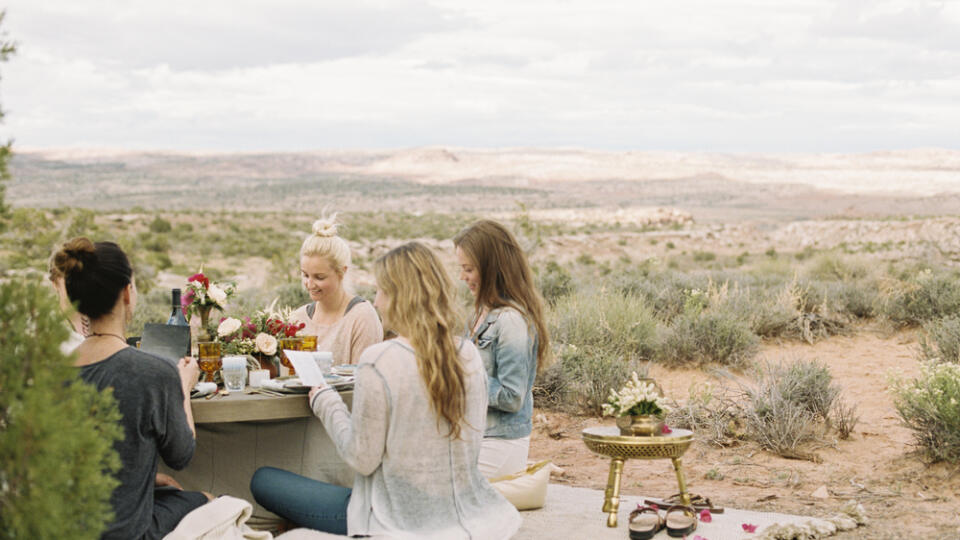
309	343
292	344
208	358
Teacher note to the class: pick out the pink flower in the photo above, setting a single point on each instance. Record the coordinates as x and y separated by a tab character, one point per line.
705	516
749	527
666	430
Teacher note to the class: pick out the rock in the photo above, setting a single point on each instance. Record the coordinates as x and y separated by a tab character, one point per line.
821	493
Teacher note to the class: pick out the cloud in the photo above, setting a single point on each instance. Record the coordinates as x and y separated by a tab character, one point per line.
220	34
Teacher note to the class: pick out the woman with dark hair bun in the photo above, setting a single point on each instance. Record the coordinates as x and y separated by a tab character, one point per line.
152	395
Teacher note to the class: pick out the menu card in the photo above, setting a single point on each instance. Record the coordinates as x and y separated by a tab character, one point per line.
306	367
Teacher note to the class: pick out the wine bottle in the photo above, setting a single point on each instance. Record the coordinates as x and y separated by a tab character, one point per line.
176	316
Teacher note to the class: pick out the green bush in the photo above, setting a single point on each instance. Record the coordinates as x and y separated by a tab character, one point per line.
56	432
922	297
941	340
160	225
582	378
713	335
554	281
621	326
776	414
809	384
930	406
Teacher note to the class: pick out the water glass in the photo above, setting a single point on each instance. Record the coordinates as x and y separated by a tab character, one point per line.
324	360
234	373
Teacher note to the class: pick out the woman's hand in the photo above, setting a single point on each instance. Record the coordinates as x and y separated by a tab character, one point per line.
189	374
314	390
166	480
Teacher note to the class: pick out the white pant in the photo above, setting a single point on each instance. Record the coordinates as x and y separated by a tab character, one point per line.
500	457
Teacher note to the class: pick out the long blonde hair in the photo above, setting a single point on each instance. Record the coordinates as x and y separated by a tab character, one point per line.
505	277
420	307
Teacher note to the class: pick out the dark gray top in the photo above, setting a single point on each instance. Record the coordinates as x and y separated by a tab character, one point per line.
150	399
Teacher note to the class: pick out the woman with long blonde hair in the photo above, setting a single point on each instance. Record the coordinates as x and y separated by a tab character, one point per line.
510	330
414	433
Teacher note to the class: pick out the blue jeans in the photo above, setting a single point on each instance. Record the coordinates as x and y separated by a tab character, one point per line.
306	502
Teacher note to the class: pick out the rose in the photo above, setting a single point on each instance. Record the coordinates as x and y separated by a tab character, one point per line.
217	294
228	327
266	344
201	279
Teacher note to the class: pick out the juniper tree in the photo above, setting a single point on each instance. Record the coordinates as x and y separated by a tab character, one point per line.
56	431
6	49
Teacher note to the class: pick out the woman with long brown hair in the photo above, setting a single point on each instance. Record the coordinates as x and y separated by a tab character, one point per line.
509	328
414	432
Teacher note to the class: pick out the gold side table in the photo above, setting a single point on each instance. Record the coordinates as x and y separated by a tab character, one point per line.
607	441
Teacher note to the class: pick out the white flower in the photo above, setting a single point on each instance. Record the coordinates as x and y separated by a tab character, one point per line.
266	344
217	294
228	327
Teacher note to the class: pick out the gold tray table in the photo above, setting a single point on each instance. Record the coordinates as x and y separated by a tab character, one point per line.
607	441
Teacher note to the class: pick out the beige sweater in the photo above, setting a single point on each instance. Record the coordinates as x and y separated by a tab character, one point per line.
412	481
348	337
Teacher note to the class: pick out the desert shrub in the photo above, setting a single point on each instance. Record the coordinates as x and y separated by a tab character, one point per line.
583	377
845	418
834	267
712	335
809	384
601	338
711	412
621	326
290	294
152	307
858	299
554	281
160	225
775	419
922	297
941	340
930	406
56	432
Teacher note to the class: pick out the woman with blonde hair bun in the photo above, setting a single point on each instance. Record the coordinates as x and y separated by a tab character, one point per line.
344	324
415	429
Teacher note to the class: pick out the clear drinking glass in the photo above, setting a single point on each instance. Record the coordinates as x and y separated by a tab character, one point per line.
234	373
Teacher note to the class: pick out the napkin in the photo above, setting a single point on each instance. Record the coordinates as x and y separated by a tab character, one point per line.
273	384
203	388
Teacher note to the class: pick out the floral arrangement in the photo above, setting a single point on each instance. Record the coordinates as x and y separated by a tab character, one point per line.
257	334
635	398
201	295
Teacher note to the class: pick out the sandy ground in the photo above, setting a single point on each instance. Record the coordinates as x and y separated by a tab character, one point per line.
904	497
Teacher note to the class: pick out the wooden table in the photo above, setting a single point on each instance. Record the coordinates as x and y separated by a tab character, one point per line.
239	433
607	441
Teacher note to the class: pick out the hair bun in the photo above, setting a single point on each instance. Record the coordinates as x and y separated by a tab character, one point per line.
75	255
325	227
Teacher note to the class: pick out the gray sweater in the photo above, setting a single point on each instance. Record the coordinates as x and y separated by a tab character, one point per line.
150	399
413	481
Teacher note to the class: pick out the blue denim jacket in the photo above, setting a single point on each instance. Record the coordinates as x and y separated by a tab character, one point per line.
508	347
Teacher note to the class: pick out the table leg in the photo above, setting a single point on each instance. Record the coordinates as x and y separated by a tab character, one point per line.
678	467
611	497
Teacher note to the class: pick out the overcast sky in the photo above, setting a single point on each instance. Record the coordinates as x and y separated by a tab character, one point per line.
708	75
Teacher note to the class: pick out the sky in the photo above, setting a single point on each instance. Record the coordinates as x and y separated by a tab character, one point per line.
289	75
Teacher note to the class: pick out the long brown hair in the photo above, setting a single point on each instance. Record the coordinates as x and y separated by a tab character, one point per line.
420	307
505	277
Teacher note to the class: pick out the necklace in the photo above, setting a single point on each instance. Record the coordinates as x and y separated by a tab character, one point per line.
107	334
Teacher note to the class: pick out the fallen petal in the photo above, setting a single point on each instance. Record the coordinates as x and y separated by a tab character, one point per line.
705	516
749	527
